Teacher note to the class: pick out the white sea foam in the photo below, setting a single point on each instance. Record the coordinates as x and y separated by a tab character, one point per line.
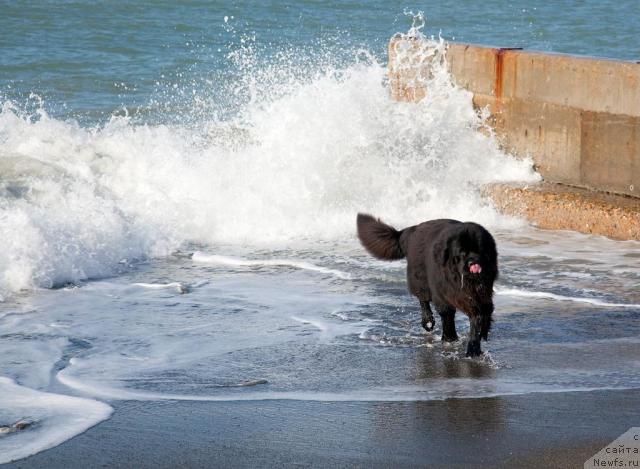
55	418
296	163
177	286
552	296
236	262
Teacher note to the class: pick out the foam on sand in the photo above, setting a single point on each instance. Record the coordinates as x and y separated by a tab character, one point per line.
53	418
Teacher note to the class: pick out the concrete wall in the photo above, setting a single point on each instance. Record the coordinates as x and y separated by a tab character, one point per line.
578	117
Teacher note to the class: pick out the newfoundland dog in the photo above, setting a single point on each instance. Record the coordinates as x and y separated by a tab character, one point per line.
450	264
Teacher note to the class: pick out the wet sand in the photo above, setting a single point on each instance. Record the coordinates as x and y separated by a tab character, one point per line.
536	430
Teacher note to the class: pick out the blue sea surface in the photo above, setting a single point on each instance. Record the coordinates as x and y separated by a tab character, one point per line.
86	59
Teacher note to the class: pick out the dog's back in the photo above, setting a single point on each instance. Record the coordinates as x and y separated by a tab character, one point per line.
423	238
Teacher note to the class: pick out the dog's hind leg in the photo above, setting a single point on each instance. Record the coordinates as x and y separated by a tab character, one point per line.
447	314
428	322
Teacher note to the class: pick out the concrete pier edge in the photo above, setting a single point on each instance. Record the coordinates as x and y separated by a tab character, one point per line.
577	117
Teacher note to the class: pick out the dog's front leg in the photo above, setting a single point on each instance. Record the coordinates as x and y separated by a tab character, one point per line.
487	319
428	322
475	330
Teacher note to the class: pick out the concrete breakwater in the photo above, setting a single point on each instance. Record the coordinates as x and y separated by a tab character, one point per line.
577	117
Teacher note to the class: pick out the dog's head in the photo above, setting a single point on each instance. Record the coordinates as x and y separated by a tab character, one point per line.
470	251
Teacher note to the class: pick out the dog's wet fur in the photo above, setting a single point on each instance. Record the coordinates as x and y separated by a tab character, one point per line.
451	266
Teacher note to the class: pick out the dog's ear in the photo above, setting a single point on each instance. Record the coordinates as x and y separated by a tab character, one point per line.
441	252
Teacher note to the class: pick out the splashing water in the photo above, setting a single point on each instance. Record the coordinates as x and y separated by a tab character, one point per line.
304	152
225	220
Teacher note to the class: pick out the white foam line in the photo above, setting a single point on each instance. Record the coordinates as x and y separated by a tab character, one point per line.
179	287
234	261
553	296
408	394
157	285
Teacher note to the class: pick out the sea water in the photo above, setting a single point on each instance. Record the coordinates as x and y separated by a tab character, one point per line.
186	230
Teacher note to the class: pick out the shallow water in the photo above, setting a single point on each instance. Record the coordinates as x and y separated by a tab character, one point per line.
199	243
325	323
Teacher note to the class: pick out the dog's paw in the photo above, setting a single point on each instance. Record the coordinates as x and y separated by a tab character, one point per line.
473	349
449	338
428	324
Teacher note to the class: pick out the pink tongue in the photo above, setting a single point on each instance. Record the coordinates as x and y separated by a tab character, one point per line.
475	268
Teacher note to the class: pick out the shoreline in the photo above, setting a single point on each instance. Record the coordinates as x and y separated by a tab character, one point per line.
536	430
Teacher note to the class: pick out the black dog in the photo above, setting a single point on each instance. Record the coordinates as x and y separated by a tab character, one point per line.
449	263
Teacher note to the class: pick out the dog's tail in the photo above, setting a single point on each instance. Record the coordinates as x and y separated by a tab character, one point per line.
381	240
